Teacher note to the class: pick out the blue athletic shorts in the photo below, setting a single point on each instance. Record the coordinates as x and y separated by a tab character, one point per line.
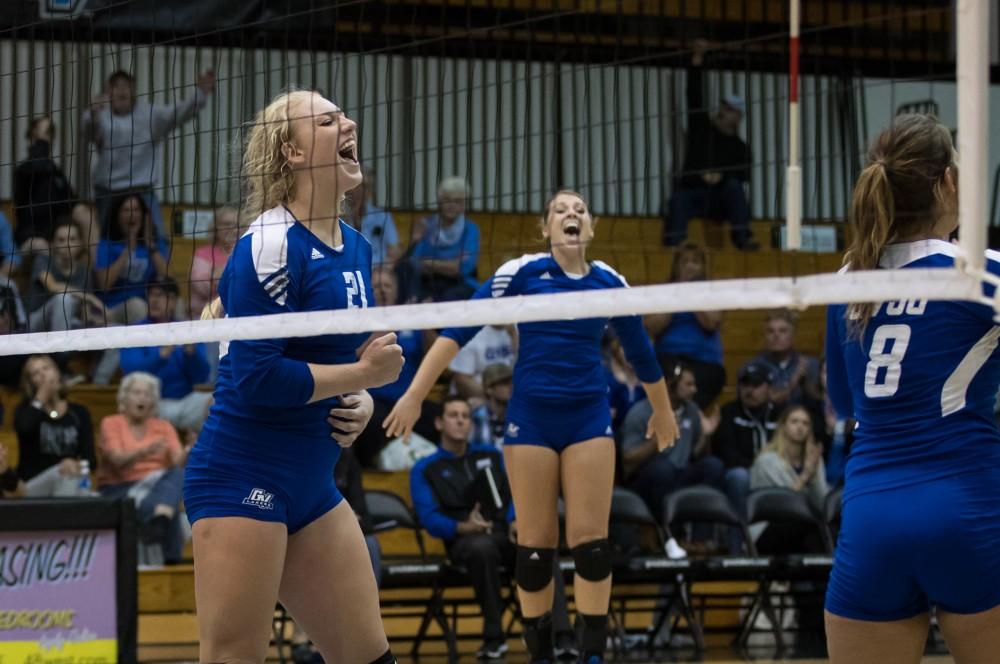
227	476
903	550
556	426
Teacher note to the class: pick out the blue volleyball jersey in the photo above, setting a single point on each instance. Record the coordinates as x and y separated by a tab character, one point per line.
279	266
921	382
560	361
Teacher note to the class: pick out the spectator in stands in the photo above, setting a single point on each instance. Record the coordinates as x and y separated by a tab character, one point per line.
624	387
12	321
445	254
745	426
61	292
178	368
452	498
42	193
141	457
716	165
492	344
10	255
793	460
210	259
489	419
53	434
372	440
129	258
655	475
374	223
12	305
127	134
691	338
85	216
795	376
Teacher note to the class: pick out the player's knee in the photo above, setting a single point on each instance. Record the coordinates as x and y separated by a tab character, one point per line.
592	559
386	658
533	571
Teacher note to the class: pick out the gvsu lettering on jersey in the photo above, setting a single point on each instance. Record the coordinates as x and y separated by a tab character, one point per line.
898	308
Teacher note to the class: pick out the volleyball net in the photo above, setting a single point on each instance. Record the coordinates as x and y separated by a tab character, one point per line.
493	107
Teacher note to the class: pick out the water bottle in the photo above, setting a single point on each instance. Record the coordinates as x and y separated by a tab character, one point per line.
84	478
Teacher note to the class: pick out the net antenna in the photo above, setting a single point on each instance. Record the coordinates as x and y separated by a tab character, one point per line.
793	172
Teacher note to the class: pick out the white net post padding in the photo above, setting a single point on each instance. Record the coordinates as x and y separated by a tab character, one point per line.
972	74
766	293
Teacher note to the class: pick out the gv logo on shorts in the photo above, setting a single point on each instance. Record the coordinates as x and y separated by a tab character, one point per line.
260	498
512	430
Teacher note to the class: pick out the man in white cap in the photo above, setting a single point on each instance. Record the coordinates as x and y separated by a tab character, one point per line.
716	165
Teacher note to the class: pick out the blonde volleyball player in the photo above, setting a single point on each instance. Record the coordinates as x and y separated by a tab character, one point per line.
268	521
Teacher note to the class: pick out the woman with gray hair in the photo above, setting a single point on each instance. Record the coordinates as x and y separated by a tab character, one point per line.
142	457
445	253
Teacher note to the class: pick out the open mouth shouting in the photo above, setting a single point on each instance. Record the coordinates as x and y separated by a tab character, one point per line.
571	228
349	151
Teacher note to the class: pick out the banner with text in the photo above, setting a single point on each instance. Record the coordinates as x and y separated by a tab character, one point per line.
58	597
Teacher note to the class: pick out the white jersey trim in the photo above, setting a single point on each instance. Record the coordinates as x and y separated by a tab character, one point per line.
347	228
904	253
505	274
269	249
607	268
953	394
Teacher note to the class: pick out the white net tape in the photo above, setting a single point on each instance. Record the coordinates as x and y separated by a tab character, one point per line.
769	293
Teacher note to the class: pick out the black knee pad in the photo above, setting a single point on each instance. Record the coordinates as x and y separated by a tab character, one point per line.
386	658
534	568
592	559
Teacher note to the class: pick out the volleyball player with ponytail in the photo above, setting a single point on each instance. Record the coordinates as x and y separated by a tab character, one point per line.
921	511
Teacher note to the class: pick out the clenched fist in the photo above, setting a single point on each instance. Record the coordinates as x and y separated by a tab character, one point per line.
382	360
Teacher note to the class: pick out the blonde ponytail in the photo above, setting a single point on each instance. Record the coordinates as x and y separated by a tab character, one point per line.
872	218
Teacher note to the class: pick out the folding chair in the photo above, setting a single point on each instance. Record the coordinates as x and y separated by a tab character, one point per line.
777	506
702	504
628	508
698	504
388	511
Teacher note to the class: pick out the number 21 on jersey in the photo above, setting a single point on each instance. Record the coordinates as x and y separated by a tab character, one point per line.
889	344
355	283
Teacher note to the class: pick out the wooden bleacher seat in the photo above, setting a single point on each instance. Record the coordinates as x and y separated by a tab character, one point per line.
8	439
100	400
